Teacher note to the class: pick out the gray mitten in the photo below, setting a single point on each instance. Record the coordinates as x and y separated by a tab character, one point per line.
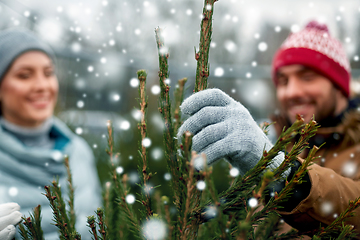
223	128
9	217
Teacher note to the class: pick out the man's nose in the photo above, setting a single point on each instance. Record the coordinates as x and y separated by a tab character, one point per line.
294	88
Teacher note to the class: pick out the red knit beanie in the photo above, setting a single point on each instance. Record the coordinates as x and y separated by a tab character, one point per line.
315	48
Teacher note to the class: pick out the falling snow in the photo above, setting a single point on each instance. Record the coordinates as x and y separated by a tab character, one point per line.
154	229
134	82
13	191
234	172
80	104
199	163
201	185
219	72
253	202
155	89
57	155
119	170
327	208
125	125
262	47
157	153
79	131
130	199
349	169
210	212
146	142
167	176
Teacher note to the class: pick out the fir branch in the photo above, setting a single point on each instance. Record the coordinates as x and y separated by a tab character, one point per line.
117	198
24	233
110	140
71	193
190	188
179	96
164	101
202	56
107	203
101	224
337	225
165	111
62	222
32	229
91	224
165	201
215	198
113	213
146	201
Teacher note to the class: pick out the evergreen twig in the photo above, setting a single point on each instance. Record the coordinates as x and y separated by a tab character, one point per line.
190	188
62	222
202	56
91	224
32	229
146	201
338	224
101	224
71	193
165	111
118	195
179	96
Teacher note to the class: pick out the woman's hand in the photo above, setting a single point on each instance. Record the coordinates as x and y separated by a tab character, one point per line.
9	216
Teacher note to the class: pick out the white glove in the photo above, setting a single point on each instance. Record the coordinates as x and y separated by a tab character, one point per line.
223	128
9	217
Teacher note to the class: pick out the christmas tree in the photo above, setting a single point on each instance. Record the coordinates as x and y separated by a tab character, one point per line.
246	210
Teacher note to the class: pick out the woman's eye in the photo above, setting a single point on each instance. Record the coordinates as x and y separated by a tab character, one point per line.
49	73
24	75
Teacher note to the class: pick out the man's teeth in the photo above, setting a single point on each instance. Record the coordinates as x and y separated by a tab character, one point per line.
299	107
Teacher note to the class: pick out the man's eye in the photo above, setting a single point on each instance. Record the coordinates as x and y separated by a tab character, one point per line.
282	81
308	77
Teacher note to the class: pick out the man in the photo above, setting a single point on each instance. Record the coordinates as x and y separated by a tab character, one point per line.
312	77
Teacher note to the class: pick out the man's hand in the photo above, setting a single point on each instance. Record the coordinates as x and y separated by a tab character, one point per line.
223	128
9	217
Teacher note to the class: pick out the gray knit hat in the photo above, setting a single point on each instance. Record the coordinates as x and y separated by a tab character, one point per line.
14	42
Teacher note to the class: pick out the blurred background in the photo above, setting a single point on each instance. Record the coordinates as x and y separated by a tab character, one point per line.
100	44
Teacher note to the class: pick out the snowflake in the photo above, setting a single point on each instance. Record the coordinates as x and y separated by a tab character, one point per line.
349	169
201	185
130	199
125	125
253	202
146	142
262	46
119	170
13	191
234	172
167	176
134	82
154	229
155	89
219	72
80	104
327	208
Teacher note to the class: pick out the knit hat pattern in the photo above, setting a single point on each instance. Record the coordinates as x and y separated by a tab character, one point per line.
314	47
14	42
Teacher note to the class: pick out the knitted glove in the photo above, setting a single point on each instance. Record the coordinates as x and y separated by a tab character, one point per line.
9	217
223	128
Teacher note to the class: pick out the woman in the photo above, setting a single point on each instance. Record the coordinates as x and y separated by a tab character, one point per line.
33	142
